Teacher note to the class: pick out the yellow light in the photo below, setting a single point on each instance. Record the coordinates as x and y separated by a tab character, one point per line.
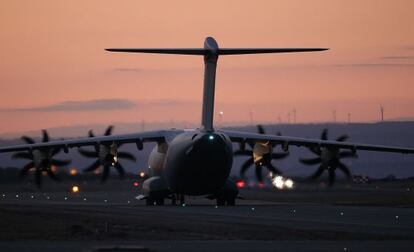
75	189
142	174
73	172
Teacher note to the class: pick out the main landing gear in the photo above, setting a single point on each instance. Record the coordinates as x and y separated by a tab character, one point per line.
180	198
223	201
159	200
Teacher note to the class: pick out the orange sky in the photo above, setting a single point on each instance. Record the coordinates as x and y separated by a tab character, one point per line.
52	53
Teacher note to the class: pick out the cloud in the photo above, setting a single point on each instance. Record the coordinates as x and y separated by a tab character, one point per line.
125	69
375	65
166	103
91	105
397	57
102	105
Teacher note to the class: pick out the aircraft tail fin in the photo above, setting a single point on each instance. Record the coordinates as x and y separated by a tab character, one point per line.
211	53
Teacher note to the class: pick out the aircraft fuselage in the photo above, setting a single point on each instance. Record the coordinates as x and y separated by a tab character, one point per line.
198	162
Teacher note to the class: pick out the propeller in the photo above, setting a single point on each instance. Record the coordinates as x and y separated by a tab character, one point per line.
260	161
329	159
40	159
106	156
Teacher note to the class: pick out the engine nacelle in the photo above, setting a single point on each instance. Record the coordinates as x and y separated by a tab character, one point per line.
155	187
261	150
156	159
330	156
108	154
42	158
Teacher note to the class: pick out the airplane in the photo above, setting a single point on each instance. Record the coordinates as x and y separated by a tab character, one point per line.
198	161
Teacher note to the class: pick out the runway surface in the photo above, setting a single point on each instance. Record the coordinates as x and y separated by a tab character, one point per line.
266	221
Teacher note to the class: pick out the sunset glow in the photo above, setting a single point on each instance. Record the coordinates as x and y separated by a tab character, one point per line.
54	70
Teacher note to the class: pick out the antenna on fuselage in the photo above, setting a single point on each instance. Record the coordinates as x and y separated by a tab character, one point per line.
211	52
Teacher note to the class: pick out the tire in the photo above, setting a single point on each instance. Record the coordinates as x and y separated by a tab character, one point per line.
182	199
173	200
159	202
221	202
149	202
231	202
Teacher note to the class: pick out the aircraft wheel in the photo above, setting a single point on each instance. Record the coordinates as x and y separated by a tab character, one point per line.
149	202
231	202
173	200
221	202
182	199
159	202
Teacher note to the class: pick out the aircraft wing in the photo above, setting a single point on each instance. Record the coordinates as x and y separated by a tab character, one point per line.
138	138
285	141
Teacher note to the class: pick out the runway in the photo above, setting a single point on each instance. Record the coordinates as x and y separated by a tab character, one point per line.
94	220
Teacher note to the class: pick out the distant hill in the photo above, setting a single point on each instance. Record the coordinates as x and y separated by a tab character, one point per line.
373	164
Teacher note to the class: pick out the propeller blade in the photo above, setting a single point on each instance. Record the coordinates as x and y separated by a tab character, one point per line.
28	140
38	177
108	131
279	155
91	134
105	173
92	167
55	151
310	161
26	169
243	153
273	169
52	175
120	170
260	129
342	138
246	166
22	155
242	145
259	174
346	154
315	150
58	162
318	173
324	135
45	137
332	176
87	153
126	155
344	169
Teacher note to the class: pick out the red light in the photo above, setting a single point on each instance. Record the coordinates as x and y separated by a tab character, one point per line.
261	185
240	184
136	184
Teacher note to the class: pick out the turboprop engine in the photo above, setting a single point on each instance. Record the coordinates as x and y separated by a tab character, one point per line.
156	159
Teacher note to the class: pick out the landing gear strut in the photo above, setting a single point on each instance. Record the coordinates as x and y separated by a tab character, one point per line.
222	201
177	197
155	201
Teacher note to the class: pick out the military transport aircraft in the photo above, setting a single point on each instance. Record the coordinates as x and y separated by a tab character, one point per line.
196	161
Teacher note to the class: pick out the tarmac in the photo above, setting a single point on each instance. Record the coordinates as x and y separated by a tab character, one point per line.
109	218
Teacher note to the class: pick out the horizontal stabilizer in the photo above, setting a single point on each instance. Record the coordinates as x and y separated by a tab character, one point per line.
184	51
234	51
220	51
